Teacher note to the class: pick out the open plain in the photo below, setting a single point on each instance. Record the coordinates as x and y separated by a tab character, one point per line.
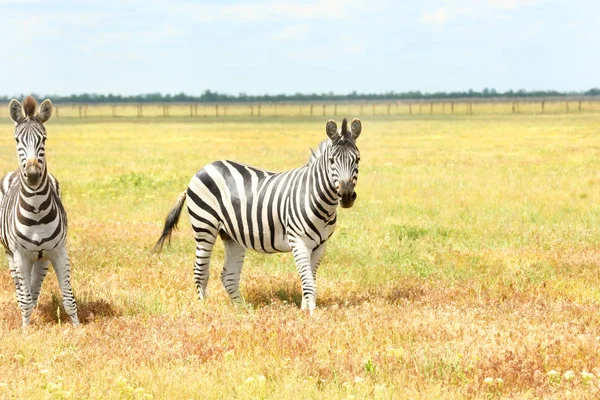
469	266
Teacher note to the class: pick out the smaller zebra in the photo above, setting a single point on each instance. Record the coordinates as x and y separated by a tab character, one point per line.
33	222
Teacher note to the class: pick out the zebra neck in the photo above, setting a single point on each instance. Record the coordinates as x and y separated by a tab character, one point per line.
323	188
35	200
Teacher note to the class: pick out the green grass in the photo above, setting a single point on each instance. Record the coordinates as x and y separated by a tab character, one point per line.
472	252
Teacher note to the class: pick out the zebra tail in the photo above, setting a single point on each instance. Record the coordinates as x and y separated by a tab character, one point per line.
170	223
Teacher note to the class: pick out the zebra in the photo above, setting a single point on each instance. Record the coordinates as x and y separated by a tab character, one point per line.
252	208
33	222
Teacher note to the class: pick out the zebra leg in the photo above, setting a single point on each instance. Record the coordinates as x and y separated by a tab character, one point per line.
204	245
21	267
315	259
302	257
230	276
13	271
62	267
38	273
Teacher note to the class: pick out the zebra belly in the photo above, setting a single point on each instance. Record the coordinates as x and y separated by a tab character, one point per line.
36	255
279	245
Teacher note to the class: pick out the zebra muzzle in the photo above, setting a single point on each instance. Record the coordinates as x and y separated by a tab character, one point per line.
33	172
347	194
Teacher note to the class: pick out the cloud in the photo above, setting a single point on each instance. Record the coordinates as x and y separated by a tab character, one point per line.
293	32
260	11
510	4
436	18
473	9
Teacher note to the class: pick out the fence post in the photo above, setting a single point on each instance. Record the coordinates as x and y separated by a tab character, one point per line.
373	109
431	108
409	108
217	110
543	104
452	108
578	107
311	110
56	108
389	107
513	107
251	110
567	105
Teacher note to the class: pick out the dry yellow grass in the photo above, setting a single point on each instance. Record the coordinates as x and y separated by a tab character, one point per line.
468	268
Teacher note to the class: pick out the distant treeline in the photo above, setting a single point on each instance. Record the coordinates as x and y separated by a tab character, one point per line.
215	97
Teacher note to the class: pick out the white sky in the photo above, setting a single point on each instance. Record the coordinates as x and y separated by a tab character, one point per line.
257	47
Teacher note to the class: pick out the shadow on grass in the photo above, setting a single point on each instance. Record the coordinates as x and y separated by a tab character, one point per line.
289	291
87	310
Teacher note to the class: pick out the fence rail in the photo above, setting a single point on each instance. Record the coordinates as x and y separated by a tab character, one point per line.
351	109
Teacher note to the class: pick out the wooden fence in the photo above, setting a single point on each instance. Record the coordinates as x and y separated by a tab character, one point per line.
349	109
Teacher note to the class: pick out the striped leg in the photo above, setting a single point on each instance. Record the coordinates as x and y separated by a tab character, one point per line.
302	257
204	245
315	260
62	267
230	276
22	277
13	271
38	273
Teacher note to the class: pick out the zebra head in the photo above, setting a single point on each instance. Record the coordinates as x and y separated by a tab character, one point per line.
343	159
30	135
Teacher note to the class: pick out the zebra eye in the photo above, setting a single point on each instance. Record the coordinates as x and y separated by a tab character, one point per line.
331	161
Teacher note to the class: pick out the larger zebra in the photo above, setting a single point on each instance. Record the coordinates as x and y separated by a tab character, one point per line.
270	212
33	222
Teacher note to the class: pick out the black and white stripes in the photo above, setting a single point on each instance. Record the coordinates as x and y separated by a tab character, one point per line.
270	212
33	222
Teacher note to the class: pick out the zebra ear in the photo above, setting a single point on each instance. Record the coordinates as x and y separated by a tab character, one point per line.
331	129
15	111
45	111
355	128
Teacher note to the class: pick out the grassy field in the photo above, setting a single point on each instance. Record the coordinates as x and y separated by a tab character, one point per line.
469	266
